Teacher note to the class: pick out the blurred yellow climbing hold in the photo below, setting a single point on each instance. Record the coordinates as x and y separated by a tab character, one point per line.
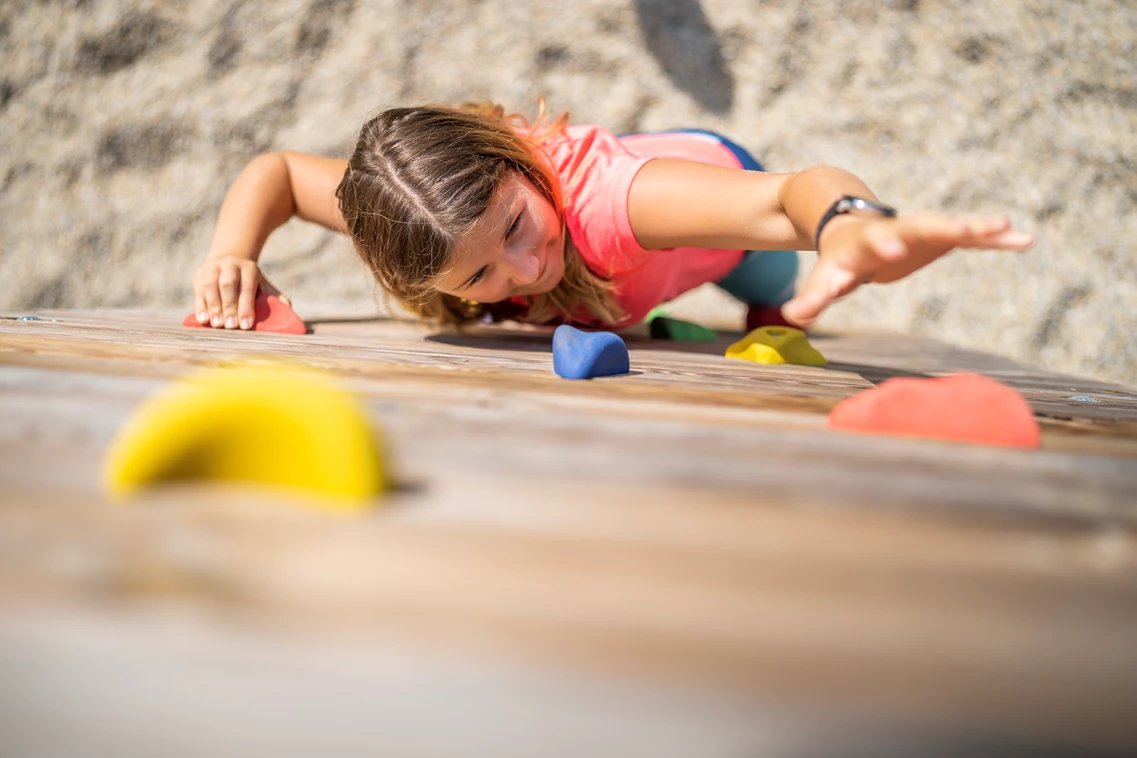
776	344
276	425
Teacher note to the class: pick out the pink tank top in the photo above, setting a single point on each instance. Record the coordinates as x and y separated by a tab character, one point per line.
596	170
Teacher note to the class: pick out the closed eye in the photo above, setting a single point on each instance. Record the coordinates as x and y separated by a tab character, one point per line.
513	227
481	273
476	277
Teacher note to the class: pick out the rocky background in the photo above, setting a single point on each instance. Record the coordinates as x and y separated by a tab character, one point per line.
122	125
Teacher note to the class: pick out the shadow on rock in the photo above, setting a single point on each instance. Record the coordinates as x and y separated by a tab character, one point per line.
687	48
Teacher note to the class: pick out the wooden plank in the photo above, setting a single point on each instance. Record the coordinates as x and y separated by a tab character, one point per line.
930	615
611	441
524	350
496	402
694	523
719	382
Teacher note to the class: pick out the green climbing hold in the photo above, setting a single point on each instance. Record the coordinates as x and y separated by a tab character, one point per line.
776	344
666	328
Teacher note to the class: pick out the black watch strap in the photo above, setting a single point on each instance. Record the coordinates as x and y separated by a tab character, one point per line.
850	204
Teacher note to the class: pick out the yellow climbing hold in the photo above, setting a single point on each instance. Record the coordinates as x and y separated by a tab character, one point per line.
776	344
276	425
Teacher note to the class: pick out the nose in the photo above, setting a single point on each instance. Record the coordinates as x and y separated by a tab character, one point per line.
525	266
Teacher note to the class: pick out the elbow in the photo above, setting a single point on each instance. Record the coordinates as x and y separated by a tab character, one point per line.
269	160
268	169
268	176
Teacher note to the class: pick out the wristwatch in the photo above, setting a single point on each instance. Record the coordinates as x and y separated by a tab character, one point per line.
851	204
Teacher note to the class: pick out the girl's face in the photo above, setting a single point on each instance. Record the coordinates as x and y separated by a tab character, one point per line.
517	249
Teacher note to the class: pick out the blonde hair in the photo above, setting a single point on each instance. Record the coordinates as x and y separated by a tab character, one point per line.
421	178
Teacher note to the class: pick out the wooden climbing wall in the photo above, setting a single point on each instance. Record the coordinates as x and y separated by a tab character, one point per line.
681	561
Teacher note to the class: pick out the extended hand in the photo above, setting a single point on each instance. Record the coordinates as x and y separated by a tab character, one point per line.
225	290
856	250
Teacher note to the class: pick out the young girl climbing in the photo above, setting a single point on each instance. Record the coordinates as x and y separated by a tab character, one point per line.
464	213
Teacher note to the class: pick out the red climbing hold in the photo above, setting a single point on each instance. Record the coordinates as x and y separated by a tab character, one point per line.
270	315
758	316
961	407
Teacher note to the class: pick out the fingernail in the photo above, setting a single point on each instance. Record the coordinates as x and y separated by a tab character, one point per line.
245	324
202	317
230	323
215	321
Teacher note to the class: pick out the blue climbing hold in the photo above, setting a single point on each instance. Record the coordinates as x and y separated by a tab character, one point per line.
585	355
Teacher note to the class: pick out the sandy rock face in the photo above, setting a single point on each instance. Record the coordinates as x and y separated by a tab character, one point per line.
124	123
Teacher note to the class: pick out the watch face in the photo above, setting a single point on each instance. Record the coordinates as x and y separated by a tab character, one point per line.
850	204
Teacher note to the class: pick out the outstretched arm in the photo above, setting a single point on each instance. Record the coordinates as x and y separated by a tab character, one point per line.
273	188
682	204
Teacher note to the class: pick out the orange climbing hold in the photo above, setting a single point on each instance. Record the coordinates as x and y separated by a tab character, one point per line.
270	315
961	407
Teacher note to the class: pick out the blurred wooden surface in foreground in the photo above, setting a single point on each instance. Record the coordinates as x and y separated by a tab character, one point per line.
682	561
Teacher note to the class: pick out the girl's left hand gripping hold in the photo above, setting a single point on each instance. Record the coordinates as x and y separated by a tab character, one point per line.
225	290
855	250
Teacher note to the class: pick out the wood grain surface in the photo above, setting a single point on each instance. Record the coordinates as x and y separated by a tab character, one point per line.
693	527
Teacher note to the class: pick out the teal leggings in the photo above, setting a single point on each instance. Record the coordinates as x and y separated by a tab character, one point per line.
763	277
